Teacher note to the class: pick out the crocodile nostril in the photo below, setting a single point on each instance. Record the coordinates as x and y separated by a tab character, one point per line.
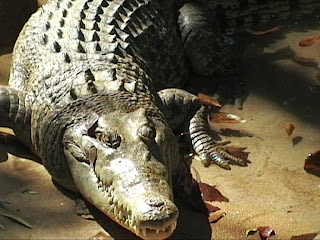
155	202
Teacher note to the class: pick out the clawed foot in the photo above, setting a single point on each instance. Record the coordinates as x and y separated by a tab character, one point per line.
210	151
223	156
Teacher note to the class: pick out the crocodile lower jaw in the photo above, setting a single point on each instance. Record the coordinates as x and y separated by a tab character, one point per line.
155	233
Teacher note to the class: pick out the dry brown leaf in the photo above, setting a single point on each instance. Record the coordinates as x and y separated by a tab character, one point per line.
216	216
207	100
289	127
265	232
309	41
211	208
312	163
210	193
238	152
275	29
222	117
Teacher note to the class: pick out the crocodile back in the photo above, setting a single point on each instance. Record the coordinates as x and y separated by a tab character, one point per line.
66	36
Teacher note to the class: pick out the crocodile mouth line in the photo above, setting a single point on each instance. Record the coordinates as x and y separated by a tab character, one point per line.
123	215
150	233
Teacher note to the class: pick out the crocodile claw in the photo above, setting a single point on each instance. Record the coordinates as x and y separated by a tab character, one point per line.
222	157
208	150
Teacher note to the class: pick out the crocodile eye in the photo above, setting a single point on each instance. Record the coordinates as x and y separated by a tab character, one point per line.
111	139
147	132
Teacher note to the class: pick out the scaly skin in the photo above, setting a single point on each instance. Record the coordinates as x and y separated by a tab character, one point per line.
236	16
83	96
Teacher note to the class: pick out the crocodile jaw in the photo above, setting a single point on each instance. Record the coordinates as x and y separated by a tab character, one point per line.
143	219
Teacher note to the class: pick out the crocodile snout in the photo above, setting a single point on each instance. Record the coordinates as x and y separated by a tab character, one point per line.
157	217
155	202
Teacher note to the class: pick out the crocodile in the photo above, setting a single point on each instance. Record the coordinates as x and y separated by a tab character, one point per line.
93	91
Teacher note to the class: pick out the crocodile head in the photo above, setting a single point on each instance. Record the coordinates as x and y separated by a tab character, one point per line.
122	163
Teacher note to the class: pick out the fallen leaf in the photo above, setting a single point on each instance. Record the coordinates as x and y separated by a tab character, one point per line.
289	127
238	152
210	193
308	236
309	41
265	232
207	100
275	29
216	216
13	216
312	163
211	208
222	117
304	61
100	236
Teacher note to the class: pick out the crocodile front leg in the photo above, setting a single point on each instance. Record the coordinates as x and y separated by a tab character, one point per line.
203	144
182	106
14	112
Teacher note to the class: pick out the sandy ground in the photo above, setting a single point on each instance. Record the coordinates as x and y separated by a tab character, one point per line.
273	190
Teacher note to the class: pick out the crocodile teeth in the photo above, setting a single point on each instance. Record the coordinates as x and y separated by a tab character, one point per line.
120	214
136	230
112	207
144	232
115	211
115	199
157	231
